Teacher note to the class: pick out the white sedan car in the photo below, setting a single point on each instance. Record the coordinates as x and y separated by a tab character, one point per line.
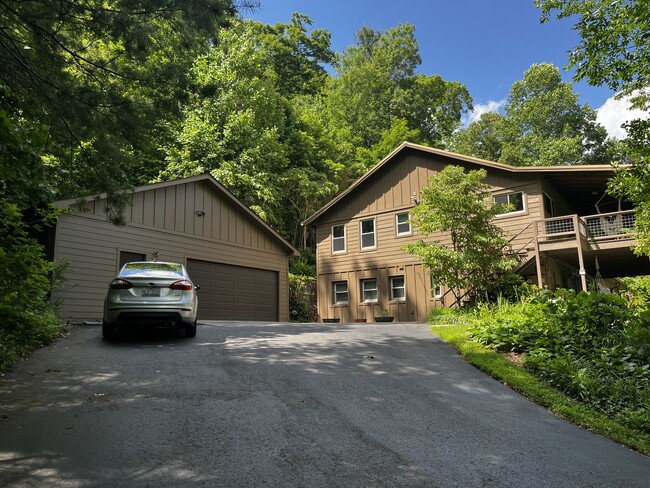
150	294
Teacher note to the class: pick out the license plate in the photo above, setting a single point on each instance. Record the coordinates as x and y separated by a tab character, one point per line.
151	292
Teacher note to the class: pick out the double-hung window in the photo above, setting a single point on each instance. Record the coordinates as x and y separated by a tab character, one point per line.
338	238
368	234
340	292
514	201
397	290
402	224
369	290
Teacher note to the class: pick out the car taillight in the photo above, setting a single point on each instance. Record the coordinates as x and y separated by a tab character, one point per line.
181	285
118	284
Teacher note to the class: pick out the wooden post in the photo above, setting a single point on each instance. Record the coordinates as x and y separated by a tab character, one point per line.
581	261
538	263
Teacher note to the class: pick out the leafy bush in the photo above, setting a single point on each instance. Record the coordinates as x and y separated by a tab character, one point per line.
302	297
448	316
28	319
637	290
507	286
593	347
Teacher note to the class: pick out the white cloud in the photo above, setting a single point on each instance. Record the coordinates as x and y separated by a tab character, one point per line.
480	109
614	113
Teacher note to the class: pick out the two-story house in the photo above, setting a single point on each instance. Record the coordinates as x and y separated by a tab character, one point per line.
563	226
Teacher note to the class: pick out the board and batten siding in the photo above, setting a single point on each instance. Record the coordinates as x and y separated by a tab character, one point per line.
393	190
162	220
419	297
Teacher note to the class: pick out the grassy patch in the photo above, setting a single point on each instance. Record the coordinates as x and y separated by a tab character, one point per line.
516	377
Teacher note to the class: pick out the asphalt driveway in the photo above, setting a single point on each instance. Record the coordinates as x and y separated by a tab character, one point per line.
253	404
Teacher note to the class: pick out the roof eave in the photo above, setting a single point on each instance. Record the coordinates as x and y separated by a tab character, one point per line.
460	157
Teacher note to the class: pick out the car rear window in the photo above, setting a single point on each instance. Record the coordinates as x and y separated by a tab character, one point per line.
162	270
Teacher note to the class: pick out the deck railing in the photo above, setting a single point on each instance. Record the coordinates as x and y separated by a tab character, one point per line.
613	225
610	226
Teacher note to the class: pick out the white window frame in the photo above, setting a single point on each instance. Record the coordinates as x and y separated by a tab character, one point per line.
364	290
436	287
374	234
393	288
513	212
335	293
398	223
344	238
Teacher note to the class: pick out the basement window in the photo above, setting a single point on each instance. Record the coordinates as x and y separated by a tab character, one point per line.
340	292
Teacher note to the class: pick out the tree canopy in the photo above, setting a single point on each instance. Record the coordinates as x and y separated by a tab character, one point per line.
247	125
614	44
90	85
377	93
543	124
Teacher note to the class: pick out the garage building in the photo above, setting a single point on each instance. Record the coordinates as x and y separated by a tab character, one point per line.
239	261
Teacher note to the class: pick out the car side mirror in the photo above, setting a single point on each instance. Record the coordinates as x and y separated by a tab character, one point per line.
197	287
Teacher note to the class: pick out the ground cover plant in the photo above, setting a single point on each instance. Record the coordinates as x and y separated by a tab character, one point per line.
593	347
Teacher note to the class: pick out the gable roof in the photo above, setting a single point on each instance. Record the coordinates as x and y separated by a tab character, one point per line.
218	187
602	171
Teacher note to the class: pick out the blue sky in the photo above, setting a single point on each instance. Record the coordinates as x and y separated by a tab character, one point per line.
487	45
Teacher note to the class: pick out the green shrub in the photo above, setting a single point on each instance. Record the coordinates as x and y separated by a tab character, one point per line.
593	347
447	316
637	290
29	320
302	297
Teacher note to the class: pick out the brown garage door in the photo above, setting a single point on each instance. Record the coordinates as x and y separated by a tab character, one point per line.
234	292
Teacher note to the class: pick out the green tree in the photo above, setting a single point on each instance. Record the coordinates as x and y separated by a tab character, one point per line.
466	250
614	51
250	124
102	80
543	124
483	138
614	45
376	87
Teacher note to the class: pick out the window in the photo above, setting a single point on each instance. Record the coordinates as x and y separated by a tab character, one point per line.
340	292
338	238
436	288
369	290
162	270
402	224
128	257
549	206
368	240
397	291
514	200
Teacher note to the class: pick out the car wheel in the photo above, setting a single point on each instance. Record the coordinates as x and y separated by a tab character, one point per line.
190	330
109	331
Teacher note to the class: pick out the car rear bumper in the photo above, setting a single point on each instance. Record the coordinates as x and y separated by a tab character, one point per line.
153	318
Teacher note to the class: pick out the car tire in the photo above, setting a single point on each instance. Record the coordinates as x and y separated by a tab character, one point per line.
109	332
190	329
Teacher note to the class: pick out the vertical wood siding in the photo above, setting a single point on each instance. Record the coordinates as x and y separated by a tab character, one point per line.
383	195
163	220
